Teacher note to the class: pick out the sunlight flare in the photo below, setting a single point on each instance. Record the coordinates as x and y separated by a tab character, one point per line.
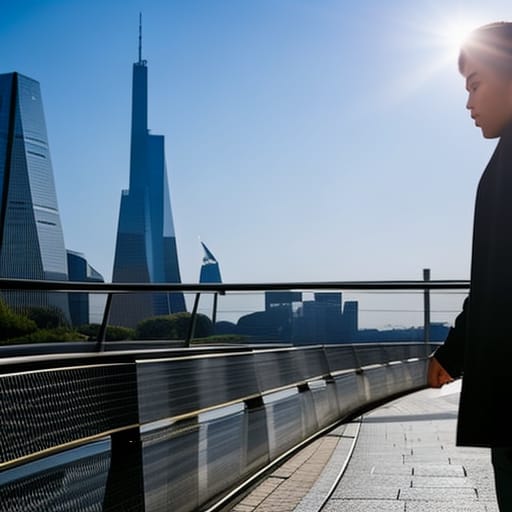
452	34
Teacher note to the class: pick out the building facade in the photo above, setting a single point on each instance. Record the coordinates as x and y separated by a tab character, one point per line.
31	236
210	270
210	273
146	249
79	303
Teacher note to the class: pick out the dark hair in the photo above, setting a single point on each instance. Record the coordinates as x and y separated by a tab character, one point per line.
491	44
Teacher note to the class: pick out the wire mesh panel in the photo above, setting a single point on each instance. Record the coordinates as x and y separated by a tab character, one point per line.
171	467
350	392
73	480
174	387
45	409
309	417
256	441
284	423
325	403
221	453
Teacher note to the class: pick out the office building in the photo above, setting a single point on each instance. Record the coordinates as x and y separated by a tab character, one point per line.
31	237
146	249
210	271
350	316
282	299
79	303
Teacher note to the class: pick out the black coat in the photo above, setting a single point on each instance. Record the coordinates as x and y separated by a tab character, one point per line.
479	346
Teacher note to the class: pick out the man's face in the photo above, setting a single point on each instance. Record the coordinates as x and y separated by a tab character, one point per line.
490	97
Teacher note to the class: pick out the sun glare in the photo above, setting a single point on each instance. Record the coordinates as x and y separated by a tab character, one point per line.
438	37
453	34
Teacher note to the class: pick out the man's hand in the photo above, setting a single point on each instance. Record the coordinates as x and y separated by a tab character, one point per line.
437	376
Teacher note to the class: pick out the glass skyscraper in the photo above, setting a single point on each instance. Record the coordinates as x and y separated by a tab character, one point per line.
31	237
210	271
146	242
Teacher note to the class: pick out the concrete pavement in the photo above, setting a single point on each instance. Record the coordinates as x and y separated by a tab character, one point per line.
400	457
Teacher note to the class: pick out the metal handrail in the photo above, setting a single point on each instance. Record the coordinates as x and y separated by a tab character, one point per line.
75	286
219	288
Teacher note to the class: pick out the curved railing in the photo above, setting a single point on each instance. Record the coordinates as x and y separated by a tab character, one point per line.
156	428
175	429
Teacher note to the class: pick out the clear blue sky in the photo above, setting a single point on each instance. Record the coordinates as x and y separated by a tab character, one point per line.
306	140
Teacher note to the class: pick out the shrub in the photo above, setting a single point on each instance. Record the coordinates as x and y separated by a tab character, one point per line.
221	339
13	324
155	328
47	318
49	336
173	327
114	332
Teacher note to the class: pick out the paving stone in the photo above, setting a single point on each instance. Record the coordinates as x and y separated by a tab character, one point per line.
380	480
338	431
439	494
391	469
441	481
454	506
242	508
438	470
364	506
366	492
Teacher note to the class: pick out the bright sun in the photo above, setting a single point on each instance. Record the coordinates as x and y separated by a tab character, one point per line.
453	34
443	35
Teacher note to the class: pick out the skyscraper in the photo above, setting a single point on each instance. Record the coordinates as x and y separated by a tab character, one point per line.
79	303
31	237
146	242
210	271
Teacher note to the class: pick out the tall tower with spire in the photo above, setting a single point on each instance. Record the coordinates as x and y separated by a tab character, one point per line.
146	249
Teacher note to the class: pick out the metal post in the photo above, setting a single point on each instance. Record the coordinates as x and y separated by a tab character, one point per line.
102	333
426	311
193	318
214	311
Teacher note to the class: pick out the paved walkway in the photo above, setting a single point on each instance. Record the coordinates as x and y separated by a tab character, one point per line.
400	457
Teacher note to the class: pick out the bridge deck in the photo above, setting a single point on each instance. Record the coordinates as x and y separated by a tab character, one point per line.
400	457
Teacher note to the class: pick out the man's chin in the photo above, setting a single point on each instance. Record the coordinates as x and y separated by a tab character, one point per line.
487	135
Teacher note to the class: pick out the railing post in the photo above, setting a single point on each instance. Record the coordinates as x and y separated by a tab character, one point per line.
193	318
426	312
214	311
102	333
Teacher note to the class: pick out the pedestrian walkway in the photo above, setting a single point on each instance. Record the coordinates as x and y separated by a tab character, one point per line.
401	457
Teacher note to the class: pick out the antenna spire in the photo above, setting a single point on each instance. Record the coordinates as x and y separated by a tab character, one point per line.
140	37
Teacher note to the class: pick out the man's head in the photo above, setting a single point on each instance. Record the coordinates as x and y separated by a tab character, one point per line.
485	60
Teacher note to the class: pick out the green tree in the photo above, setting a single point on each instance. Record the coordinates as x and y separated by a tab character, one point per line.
47	318
49	336
173	327
114	332
155	328
13	324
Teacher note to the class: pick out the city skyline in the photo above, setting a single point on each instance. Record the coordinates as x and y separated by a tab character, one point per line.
324	141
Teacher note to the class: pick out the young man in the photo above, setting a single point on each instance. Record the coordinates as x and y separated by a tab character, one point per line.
479	346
